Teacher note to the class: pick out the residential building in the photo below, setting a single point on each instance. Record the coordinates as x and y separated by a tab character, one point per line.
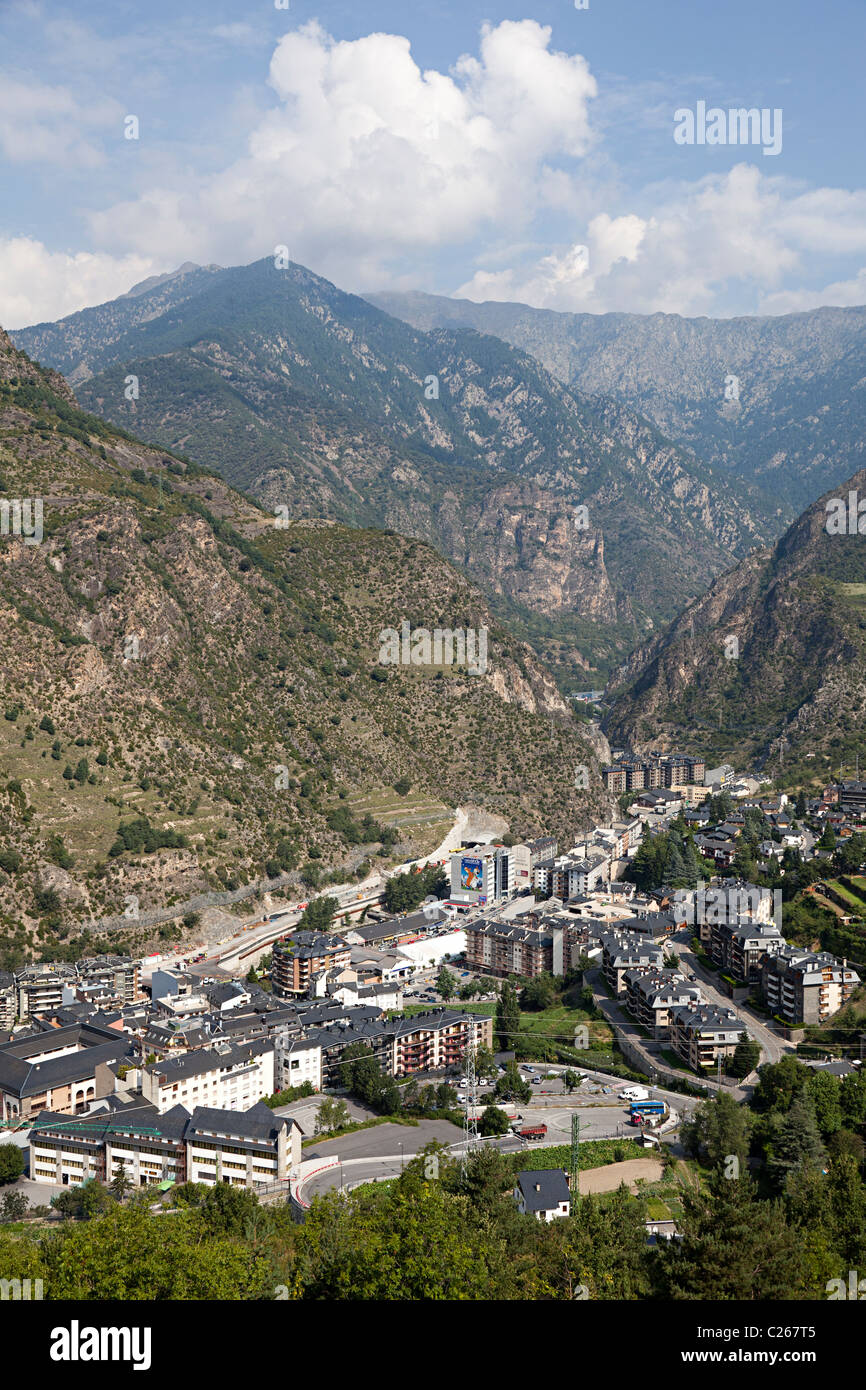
253	1149
296	959
543	1193
43	987
497	948
623	951
806	986
296	1060
701	1033
61	1069
226	1077
652	994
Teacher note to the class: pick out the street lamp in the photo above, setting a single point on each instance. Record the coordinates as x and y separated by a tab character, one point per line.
401	1157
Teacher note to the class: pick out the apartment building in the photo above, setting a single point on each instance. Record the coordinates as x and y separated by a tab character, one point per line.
8	999
701	1033
624	951
652	772
497	948
225	1077
42	987
62	1069
296	1060
572	875
434	1040
483	875
297	959
110	982
740	948
251	1149
652	995
806	986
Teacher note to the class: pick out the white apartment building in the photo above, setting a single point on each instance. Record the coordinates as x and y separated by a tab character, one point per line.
225	1077
296	1060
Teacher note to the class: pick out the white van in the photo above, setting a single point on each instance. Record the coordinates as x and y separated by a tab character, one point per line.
635	1093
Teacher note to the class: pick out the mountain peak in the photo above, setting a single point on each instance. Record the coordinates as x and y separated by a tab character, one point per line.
153	280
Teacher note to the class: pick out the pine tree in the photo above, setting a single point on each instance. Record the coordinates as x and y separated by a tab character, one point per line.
733	1247
507	1018
798	1143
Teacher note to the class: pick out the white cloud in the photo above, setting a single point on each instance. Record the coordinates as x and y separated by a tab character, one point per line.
366	157
37	285
695	243
44	124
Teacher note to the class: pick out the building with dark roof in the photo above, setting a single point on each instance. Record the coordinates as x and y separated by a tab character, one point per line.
543	1193
251	1149
61	1069
228	1077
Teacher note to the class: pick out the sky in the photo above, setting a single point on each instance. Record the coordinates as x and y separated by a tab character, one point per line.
525	151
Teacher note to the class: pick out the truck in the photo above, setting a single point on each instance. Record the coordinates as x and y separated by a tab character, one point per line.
530	1131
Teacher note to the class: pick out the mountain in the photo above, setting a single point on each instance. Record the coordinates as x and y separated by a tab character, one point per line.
315	400
194	695
795	673
793	429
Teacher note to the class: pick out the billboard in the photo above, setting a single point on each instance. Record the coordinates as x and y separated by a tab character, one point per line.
472	875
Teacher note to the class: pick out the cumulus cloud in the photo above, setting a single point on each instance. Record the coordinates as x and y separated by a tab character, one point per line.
733	235
365	156
375	172
38	285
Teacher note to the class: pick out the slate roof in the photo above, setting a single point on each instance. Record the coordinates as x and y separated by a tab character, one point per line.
552	1186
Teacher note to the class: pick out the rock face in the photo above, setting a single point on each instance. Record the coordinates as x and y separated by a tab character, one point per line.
315	401
772	401
769	664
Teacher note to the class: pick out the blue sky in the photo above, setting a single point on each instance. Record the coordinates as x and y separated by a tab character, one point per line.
509	151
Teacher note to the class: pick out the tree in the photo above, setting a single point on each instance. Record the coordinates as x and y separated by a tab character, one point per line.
403	786
11	1163
318	915
84	1203
798	1141
538	994
507	1018
46	723
826	1093
778	1084
571	1080
493	1121
485	1063
332	1114
446	983
747	1055
511	1085
733	1246
14	1206
226	1210
718	1129
132	1254
121	1182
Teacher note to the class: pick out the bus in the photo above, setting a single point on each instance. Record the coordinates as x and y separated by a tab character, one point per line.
647	1107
